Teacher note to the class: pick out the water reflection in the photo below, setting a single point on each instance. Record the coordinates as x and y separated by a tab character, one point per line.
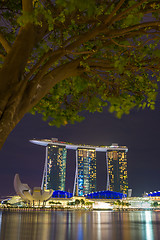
149	227
79	225
0	220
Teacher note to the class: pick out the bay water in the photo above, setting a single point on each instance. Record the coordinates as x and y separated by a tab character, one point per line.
79	225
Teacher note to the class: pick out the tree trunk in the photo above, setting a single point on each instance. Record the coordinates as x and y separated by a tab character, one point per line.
26	95
6	126
12	82
9	116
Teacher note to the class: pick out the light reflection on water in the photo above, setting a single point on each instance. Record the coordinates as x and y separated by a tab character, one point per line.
80	225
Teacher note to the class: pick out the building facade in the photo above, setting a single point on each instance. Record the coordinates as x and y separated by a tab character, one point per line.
54	175
85	180
117	168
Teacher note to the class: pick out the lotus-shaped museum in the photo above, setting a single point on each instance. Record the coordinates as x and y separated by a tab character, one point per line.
27	194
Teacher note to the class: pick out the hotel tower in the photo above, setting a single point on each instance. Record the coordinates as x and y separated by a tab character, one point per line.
54	173
117	168
85	176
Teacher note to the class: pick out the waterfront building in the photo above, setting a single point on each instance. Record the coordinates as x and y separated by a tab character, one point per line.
85	177
85	174
54	175
31	195
153	194
117	168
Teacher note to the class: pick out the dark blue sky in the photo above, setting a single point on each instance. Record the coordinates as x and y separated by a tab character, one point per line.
139	131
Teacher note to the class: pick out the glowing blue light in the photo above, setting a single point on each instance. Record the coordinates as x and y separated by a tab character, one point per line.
61	194
106	195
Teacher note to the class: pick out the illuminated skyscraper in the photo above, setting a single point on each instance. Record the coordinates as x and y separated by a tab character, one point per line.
85	179
117	168
55	168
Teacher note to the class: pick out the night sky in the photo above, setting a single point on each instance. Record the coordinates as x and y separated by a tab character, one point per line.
139	131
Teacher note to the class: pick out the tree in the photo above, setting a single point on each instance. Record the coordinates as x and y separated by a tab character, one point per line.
89	204
77	202
62	57
82	201
117	203
121	204
154	204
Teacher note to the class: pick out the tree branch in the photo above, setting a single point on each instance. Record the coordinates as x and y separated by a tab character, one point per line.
27	6
37	90
120	45
143	44
114	11
5	43
53	58
38	64
2	56
128	10
78	53
124	31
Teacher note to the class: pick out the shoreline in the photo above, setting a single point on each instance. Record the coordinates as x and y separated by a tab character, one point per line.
36	209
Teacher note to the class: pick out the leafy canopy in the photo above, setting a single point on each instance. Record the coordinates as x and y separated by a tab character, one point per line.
115	45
